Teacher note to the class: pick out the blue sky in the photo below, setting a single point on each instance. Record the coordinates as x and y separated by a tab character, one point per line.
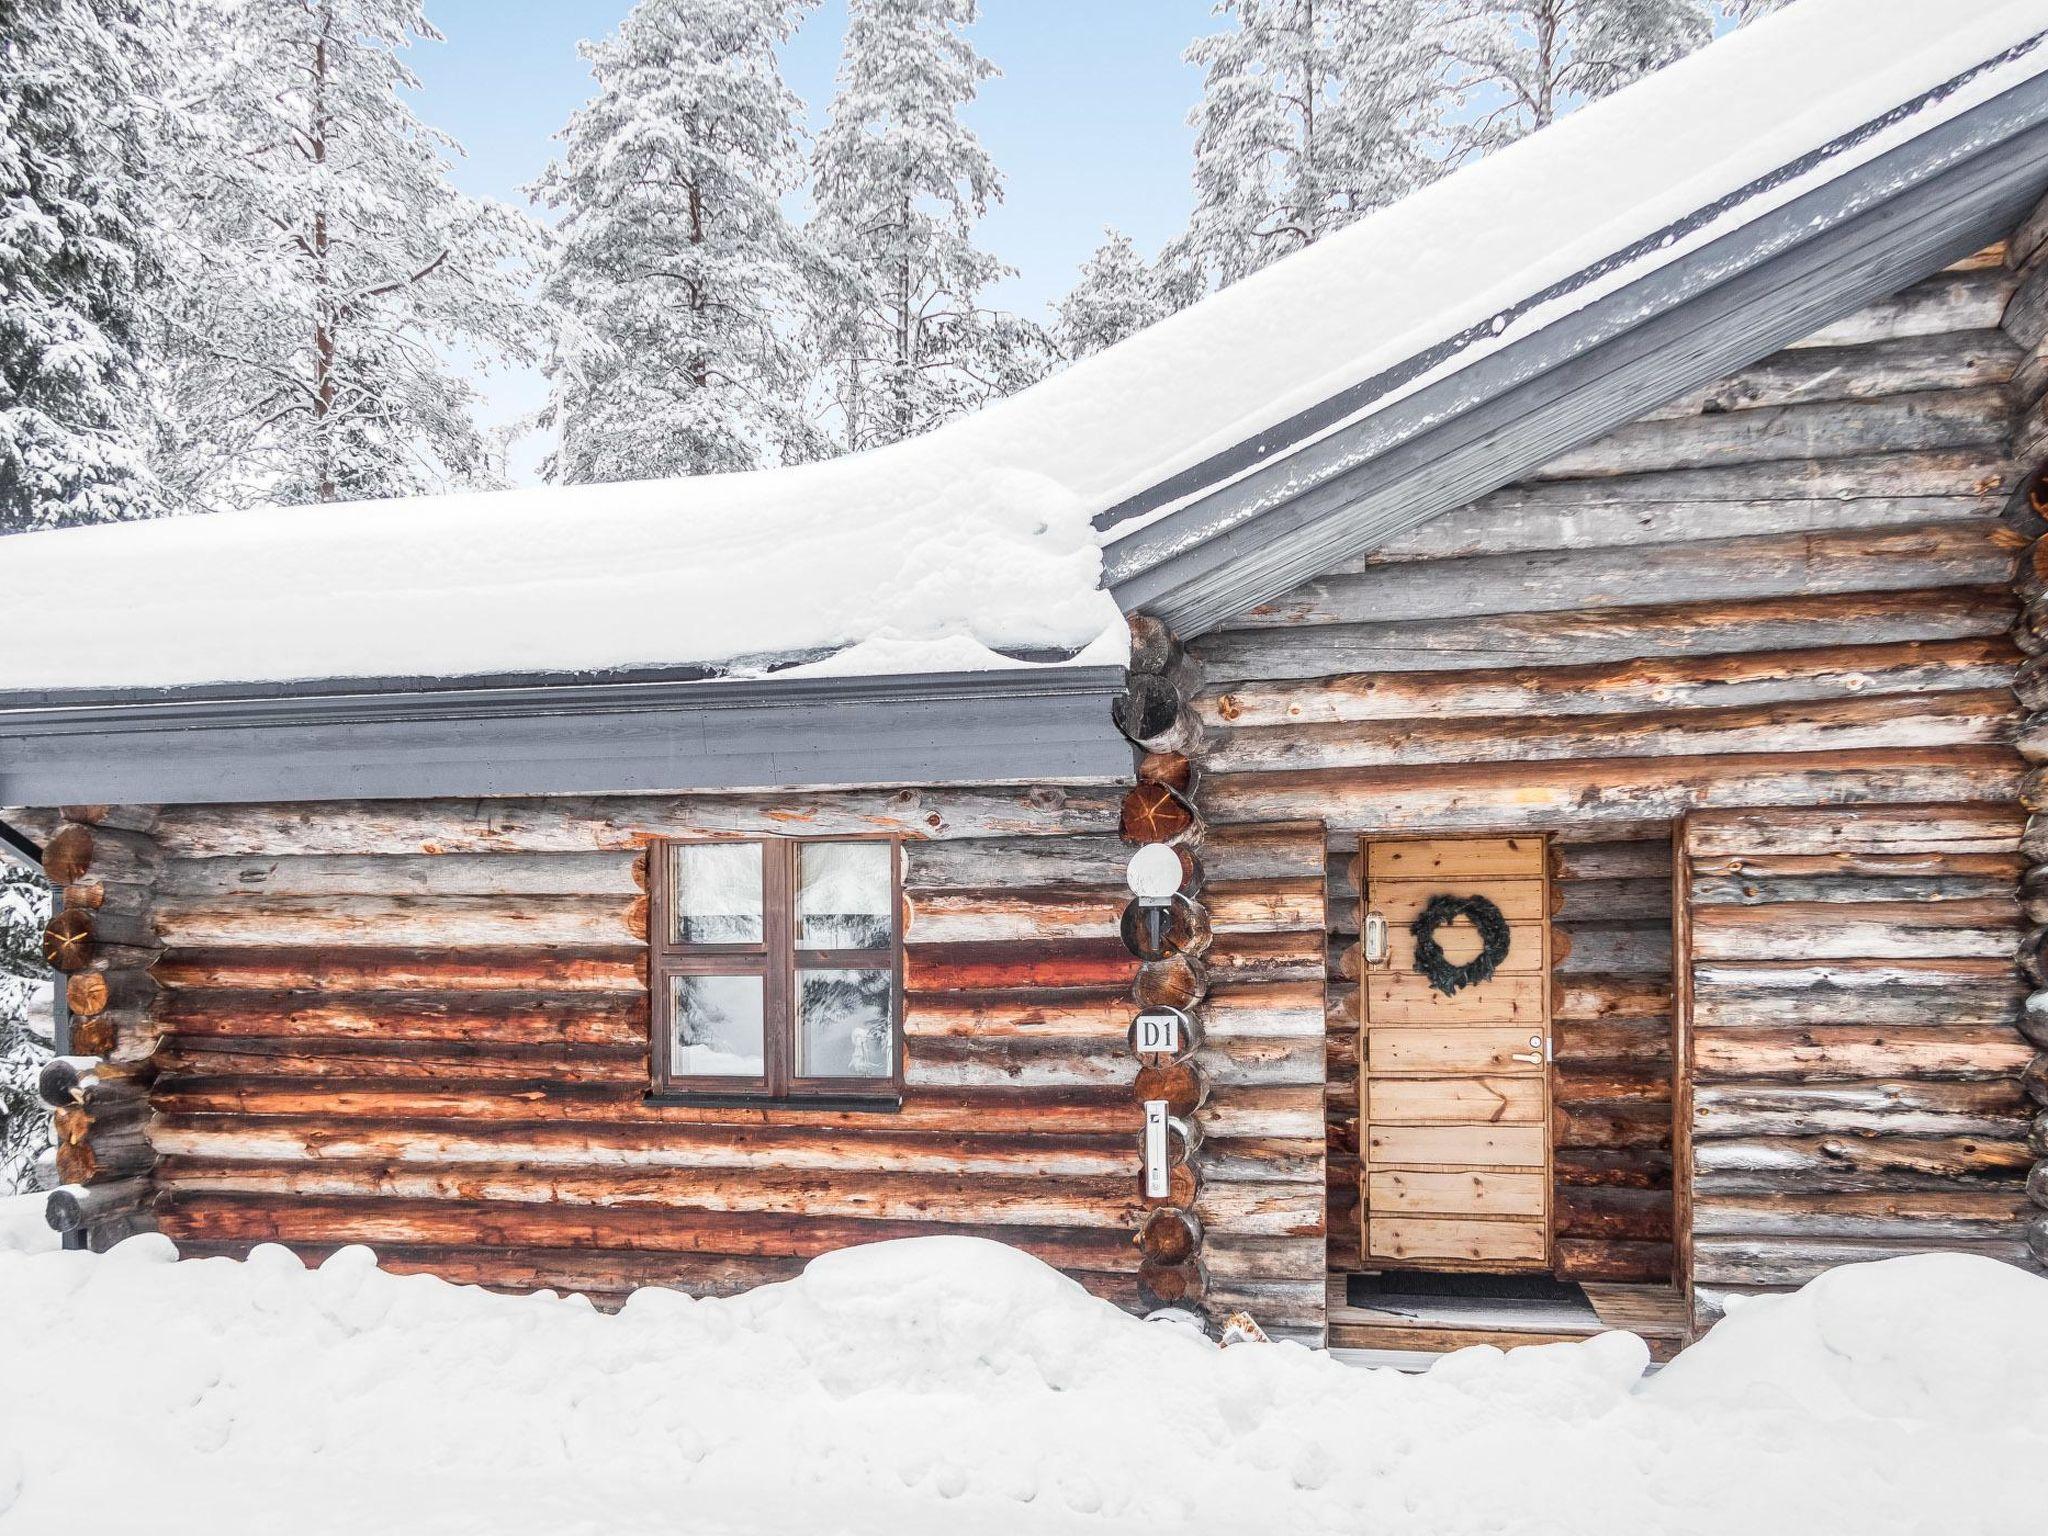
1088	122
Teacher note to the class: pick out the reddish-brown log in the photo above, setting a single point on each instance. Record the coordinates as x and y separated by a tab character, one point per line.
1170	1235
1155	813
1181	1084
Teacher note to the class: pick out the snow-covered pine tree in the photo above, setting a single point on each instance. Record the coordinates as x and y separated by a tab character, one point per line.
679	284
24	1025
72	401
900	183
1118	293
1743	12
326	279
1522	64
1313	113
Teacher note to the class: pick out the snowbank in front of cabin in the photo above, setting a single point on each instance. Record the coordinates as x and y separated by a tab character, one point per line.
952	1384
23	1230
976	542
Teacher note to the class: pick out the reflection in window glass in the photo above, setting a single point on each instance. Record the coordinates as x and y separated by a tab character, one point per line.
842	1024
717	1026
716	893
843	896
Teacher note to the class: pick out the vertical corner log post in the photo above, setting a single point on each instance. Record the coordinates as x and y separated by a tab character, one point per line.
2025	321
101	941
1153	714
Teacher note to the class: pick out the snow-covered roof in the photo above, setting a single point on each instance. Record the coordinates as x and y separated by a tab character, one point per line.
981	545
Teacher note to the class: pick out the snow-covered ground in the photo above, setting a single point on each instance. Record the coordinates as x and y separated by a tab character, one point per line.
954	1385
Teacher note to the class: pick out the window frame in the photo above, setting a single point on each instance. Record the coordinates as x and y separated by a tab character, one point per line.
780	965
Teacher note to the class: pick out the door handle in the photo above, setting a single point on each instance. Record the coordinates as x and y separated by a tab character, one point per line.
1539	1051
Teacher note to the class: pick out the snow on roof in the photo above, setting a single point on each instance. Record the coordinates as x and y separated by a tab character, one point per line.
973	546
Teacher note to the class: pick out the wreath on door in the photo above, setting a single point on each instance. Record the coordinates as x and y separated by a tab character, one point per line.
1430	961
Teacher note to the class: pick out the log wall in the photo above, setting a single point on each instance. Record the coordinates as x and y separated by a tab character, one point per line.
1855	1059
425	1027
1791	589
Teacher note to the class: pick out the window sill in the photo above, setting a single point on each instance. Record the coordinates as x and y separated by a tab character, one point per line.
877	1103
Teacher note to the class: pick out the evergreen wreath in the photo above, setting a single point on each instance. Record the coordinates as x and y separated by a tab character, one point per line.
1430	961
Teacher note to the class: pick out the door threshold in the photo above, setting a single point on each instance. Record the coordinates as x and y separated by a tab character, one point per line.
1433	1326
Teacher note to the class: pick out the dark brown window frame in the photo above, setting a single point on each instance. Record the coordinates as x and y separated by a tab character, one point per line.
778	962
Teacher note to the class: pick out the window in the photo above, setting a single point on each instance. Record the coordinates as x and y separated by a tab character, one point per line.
775	969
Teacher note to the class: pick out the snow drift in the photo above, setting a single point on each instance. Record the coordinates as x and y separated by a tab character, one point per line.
951	1384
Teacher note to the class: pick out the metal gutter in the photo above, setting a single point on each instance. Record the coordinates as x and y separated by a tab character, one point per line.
377	740
1877	227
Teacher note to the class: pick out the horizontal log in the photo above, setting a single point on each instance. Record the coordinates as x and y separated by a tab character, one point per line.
1104	1146
1900	992
557	1020
1624	1263
293	1058
105	853
1764	890
1617	687
92	992
550	1102
1791	1261
615	969
1607	634
1968	1157
1019	1199
1931	1219
1083	963
1849	1051
1514	796
1936	419
1009	862
417	875
1617	1214
385	922
76	1207
1595	1167
121	818
1008	915
1805	565
222	1217
1992	1107
1894	366
1724	503
1968	717
1274	851
1971	300
1982	929
582	824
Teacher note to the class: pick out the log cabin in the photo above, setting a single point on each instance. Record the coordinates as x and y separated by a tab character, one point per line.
1580	636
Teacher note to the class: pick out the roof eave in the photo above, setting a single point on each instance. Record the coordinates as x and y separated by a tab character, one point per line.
1899	217
1010	725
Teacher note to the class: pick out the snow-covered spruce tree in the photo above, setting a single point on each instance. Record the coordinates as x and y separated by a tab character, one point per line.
900	183
1118	293
24	1025
1313	113
324	274
1522	64
679	285
72	401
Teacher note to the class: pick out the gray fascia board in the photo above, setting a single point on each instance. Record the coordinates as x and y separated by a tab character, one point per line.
1021	725
1739	298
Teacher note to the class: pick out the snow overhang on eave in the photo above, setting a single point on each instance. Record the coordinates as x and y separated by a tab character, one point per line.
1256	521
624	734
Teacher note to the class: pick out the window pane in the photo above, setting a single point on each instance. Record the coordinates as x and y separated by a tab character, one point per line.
843	898
842	1024
715	893
716	1026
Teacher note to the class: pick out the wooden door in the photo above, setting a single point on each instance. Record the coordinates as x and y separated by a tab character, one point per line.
1455	1122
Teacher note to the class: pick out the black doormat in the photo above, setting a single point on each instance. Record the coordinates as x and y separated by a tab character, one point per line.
1375	1290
